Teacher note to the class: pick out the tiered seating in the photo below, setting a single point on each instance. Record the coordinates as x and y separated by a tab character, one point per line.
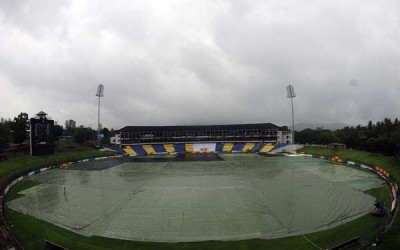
169	148
149	149
139	150
159	149
117	149
227	147
279	146
266	148
218	147
180	148
238	147
129	151
189	148
257	147
248	147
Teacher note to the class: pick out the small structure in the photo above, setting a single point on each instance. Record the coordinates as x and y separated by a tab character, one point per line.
41	135
337	146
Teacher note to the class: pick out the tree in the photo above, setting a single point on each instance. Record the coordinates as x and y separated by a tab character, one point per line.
19	127
5	132
91	134
80	134
70	126
106	134
327	136
57	132
83	134
395	137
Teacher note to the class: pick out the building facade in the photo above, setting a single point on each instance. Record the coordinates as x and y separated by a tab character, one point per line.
260	132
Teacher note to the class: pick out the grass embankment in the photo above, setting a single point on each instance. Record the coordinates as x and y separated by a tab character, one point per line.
18	164
391	240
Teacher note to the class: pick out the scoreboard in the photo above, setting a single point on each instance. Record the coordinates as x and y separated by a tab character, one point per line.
41	136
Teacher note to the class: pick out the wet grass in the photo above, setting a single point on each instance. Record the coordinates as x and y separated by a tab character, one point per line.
389	163
16	165
27	183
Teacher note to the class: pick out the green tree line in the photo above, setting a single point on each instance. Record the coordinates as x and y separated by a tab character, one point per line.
381	137
16	131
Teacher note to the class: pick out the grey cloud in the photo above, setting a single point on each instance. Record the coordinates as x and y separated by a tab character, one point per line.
203	62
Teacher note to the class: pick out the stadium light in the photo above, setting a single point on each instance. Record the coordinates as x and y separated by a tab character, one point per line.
291	95
99	93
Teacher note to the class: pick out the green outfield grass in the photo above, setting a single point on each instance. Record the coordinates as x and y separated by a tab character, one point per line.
391	240
32	232
18	164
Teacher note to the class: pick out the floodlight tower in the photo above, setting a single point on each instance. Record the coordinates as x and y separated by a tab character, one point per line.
291	95
99	93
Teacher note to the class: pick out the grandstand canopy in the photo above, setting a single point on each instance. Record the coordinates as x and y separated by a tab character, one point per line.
204	127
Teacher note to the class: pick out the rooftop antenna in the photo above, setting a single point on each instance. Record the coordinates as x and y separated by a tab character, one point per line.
291	95
99	93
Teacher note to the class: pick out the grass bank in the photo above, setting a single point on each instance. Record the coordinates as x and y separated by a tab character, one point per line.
16	165
391	240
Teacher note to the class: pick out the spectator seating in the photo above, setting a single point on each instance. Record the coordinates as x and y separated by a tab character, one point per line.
169	148
149	149
248	147
180	148
189	147
227	147
218	147
237	147
245	147
257	147
129	151
279	146
159	149
139	150
116	149
266	148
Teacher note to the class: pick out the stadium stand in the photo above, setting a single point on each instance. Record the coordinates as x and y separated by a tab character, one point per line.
204	147
248	147
189	147
139	150
266	148
258	132
159	149
257	147
237	147
227	147
180	148
169	148
218	147
279	146
149	149
129	151
117	149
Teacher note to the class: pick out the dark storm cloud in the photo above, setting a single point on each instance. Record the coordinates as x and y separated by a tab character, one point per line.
202	62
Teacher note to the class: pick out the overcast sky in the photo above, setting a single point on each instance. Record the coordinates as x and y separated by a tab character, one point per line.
200	62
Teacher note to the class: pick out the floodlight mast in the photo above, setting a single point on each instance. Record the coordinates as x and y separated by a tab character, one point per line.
291	95
99	93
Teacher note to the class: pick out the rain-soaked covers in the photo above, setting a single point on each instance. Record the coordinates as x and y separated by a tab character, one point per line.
242	197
